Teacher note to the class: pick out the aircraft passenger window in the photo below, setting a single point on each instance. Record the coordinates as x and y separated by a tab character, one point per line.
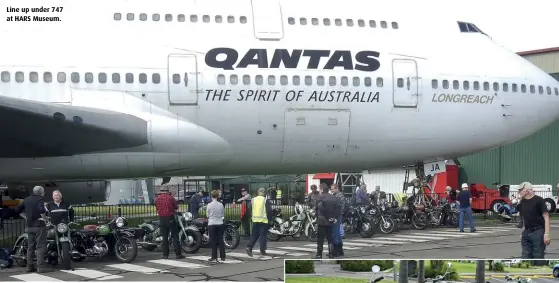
303	21
332	81
314	21
383	24
291	21
155	78
234	79
338	22
246	80
326	22
296	80
400	82
284	80
271	80
466	85
540	89
205	18
344	81
320	80
523	88
368	81
361	23
455	84
231	19
88	78
176	79
243	20
155	17
514	88
395	25
356	81
445	84
182	18
221	79
61	77
556	91
548	90
434	84
308	80
143	17
532	89
75	77
193	18
33	77
47	77
5	76
372	24
495	86
485	86
169	18
102	77
130	16
349	22
117	16
380	82
476	85
505	87
143	78
130	78
116	78
259	80
219	19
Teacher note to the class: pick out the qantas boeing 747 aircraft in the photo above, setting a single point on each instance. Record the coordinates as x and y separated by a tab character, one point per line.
94	90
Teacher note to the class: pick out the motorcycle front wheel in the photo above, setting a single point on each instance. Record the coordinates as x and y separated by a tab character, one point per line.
419	220
191	241
66	257
312	234
231	236
20	250
386	226
126	249
367	228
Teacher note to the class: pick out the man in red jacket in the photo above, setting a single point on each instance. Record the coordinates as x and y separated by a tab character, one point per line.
246	211
167	206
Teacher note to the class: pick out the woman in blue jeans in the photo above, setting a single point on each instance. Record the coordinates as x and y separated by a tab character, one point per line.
465	199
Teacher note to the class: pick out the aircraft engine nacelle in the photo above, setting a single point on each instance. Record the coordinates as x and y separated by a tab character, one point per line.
81	192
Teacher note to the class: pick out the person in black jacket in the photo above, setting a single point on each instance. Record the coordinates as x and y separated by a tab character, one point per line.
58	210
327	210
32	209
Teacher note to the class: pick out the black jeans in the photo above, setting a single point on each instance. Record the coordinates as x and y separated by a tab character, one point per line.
169	224
37	240
259	230
245	220
532	243
323	231
216	239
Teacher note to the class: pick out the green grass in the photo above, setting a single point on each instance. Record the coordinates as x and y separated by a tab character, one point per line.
463	267
295	279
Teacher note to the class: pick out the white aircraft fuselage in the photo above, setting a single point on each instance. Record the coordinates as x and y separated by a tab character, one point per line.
130	89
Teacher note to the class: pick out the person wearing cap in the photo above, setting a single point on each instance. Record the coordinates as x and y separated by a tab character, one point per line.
246	211
465	200
167	206
535	216
261	212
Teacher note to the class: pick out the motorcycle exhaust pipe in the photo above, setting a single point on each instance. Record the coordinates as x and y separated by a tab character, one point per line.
274	231
19	257
76	254
146	243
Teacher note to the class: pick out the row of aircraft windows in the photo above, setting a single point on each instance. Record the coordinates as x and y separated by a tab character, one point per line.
339	22
296	80
180	18
495	87
19	77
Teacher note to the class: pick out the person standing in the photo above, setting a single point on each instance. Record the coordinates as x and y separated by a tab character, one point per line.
465	200
194	205
313	196
216	213
167	206
246	211
336	235
261	210
32	209
361	195
58	210
535	216
327	208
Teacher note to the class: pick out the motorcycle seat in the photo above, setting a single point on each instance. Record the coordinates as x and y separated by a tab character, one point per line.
201	221
87	232
89	227
155	222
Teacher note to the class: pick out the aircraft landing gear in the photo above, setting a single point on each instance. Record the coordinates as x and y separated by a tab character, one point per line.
420	184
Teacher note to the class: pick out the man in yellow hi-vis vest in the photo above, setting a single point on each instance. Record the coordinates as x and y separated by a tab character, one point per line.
261	209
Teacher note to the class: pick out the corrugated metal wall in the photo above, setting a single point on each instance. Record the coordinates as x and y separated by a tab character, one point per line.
549	62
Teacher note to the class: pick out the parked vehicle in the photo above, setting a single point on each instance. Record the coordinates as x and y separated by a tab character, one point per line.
375	269
382	217
556	270
190	237
303	221
231	235
440	278
360	219
517	279
509	213
484	198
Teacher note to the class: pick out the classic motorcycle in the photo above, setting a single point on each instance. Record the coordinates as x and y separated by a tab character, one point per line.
518	279
98	240
508	213
375	269
303	221
360	219
382	217
440	278
231	235
189	236
58	247
408	213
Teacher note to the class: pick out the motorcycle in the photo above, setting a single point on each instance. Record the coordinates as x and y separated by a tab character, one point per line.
375	269
190	237
382	217
444	212
518	279
508	213
231	235
97	240
304	220
360	218
58	247
410	214
440	278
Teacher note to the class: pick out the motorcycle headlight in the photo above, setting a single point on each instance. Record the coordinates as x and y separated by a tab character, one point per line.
187	216
120	222
362	209
62	228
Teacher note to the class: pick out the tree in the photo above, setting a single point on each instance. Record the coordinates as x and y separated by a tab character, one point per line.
403	278
420	271
480	271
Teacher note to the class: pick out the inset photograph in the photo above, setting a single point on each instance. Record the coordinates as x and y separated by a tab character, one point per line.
421	271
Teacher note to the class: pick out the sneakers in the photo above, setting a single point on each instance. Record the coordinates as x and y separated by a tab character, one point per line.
249	251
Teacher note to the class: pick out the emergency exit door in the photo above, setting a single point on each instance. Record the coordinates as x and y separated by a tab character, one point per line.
405	83
183	79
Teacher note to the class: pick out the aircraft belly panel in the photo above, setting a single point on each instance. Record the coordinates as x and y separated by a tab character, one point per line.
315	135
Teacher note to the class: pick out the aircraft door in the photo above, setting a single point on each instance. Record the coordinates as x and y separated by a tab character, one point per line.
183	79
405	83
267	19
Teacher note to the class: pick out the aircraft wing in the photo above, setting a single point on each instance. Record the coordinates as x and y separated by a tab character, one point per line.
37	129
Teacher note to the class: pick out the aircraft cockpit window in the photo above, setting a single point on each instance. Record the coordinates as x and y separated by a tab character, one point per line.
169	18
75	77
47	77
33	77
246	80
155	17
380	82
540	89
320	80
469	27
314	21
395	25
88	78
495	86
435	84
116	78
344	81
514	88
129	77
361	23
445	84
523	88
505	87
271	80
231	19
338	22
476	85
220	79
455	84
372	24
143	17
182	18
130	16
400	82
259	80
303	21
143	78
5	77
296	80
466	85
349	22
117	16
234	79
486	86
356	81
102	78
284	80
532	89
326	22
368	81
193	18
383	24
463	27
308	80
332	81
548	90
61	77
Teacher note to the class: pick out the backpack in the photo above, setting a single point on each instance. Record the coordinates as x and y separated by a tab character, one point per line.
6	260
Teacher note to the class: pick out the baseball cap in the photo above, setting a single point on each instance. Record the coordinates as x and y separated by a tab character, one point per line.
465	185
